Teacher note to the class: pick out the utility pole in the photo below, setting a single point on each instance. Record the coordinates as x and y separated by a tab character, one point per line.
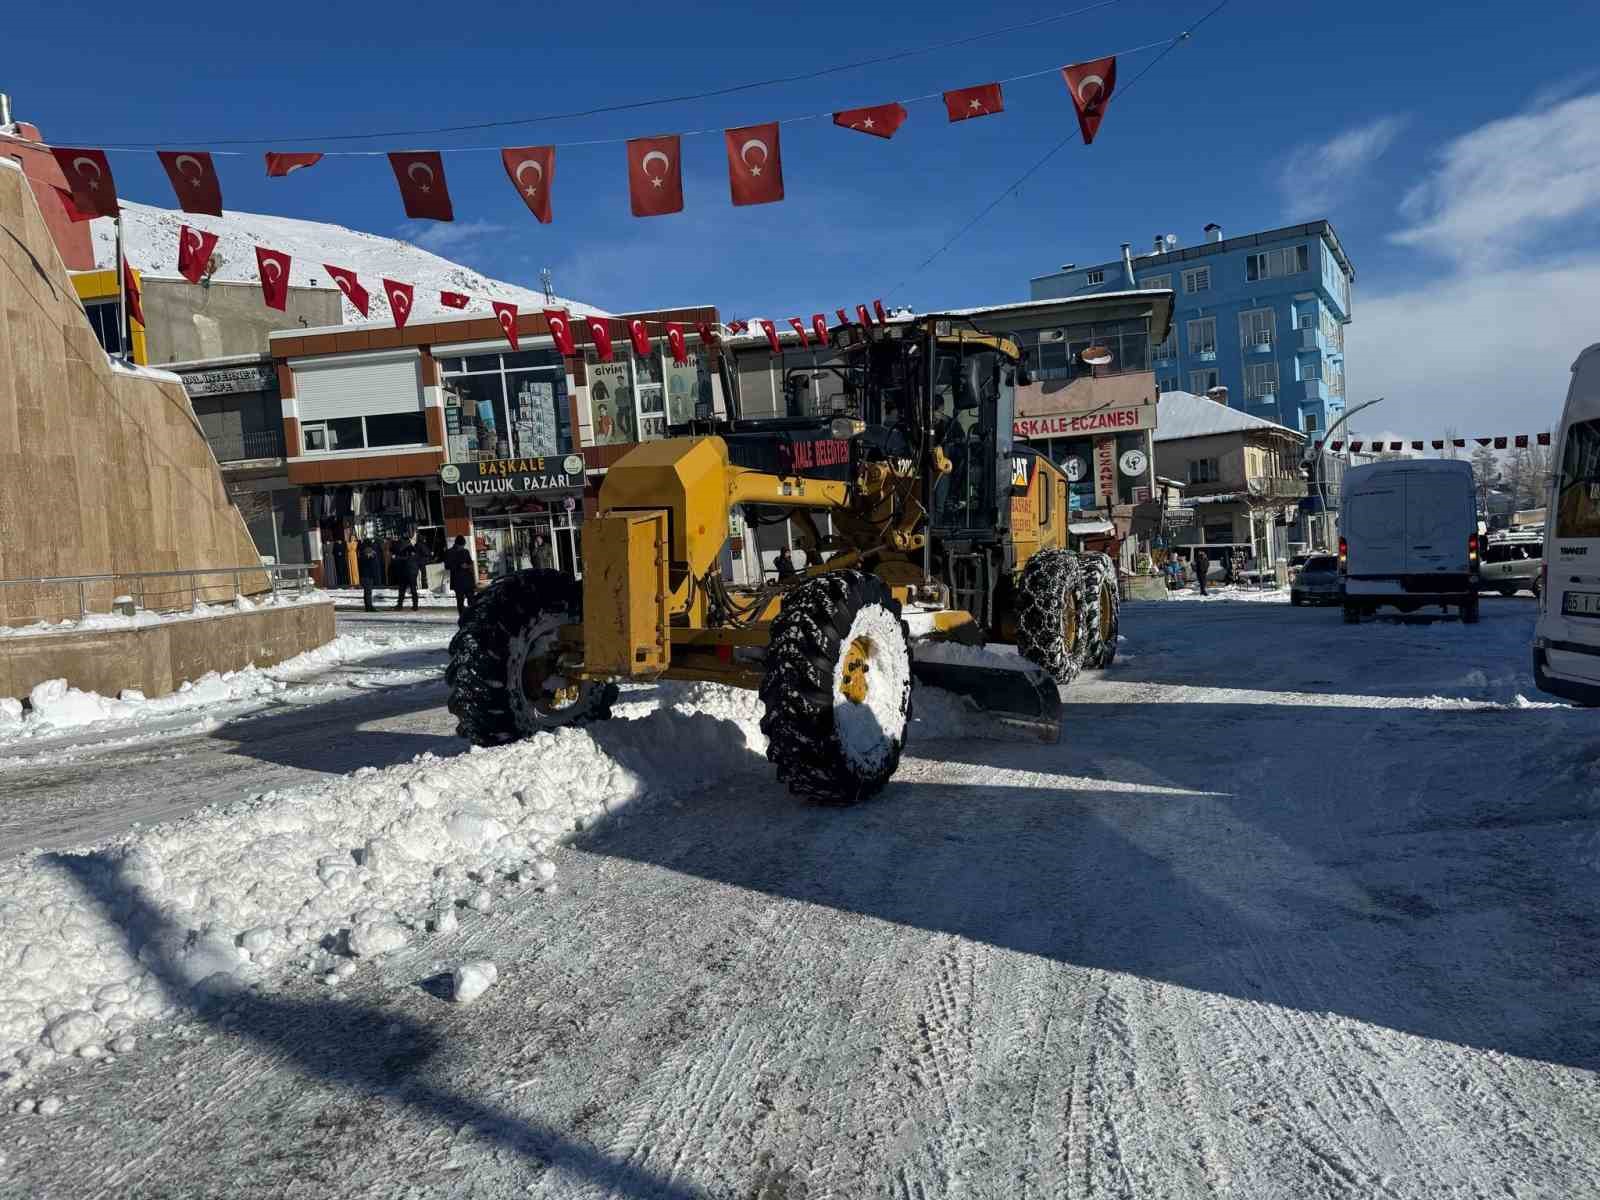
122	295
1314	452
549	285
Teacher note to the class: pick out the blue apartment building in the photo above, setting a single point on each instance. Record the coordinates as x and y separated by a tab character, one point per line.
1262	315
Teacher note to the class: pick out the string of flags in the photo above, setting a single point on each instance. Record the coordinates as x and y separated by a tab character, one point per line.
1521	441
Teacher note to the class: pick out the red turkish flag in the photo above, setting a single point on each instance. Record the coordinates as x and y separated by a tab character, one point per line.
1091	85
273	267
400	301
454	299
506	314
1483	441
194	252
1542	438
675	342
738	326
768	328
641	340
89	179
560	322
74	213
347	283
420	174
194	178
982	100
1438	443
1355	447
1396	445
843	320
877	307
881	120
820	324
799	327
755	166
131	285
863	316
1336	446
1500	443
655	176
1416	445
280	164
708	336
1458	442
600	335
1316	445
1521	442
532	171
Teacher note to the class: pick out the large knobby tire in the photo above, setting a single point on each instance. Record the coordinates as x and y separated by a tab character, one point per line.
1050	624
837	688
1102	612
503	686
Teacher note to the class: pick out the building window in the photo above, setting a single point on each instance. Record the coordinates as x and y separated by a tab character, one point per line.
1201	382
1159	281
103	320
1203	470
364	433
636	399
1169	384
1272	264
1094	277
1203	337
1258	328
1169	348
1311	422
1311	367
1197	280
1261	381
510	405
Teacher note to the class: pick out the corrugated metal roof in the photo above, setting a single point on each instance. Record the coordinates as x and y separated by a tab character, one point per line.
1185	415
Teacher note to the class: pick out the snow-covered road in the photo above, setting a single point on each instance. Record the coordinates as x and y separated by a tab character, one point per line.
1293	910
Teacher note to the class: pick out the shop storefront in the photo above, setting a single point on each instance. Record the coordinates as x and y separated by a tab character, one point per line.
523	512
637	398
506	405
346	515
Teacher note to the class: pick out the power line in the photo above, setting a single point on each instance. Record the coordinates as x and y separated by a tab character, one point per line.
1172	45
634	105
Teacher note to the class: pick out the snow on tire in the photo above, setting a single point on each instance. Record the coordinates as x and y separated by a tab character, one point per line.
837	688
1102	612
502	684
1050	625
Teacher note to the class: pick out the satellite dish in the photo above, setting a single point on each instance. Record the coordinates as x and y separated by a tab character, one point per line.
1095	356
1171	239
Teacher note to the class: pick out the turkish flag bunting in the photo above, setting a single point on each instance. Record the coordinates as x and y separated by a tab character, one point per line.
708	336
1458	442
863	316
279	165
532	171
74	213
273	267
194	252
877	308
1542	438
1416	445
1091	85
1336	446
981	101
655	176
738	326
135	301
1522	441
454	299
641	340
799	327
1438	443
1500	443
1355	447
1316	446
560	322
400	301
755	167
771	331
194	178
420	174
820	324
1396	445
347	283
881	120
675	342
1483	441
600	335
506	314
843	320
89	179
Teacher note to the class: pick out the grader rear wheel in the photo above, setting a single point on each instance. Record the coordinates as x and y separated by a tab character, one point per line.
837	688
1104	604
504	680
1051	630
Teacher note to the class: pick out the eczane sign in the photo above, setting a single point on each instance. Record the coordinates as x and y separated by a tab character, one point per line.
1108	420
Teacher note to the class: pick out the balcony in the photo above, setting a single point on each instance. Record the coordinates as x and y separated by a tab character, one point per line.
1262	347
1316	391
247	447
1277	487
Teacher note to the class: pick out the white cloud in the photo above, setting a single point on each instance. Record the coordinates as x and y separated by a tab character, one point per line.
1481	351
1319	174
441	235
1502	188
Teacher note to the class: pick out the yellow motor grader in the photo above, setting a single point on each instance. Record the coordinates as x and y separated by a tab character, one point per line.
940	533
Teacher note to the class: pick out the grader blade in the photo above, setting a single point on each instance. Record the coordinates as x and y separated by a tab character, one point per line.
1022	698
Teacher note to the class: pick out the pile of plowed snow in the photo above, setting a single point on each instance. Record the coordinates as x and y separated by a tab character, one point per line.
93	943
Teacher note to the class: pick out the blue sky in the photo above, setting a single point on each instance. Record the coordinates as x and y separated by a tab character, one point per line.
1456	150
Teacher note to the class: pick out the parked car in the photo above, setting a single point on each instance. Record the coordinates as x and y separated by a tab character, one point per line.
1409	537
1317	581
1511	565
1566	639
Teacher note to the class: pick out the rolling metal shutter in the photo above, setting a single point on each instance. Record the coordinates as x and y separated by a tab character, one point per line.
357	385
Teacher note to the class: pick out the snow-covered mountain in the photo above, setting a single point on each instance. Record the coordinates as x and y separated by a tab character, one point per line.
152	247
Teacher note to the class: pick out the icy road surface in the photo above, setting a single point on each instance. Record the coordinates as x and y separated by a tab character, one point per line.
1293	910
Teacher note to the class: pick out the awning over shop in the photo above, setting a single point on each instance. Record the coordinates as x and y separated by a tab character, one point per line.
1090	528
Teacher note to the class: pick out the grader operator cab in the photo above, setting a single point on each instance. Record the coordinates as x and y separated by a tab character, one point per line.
941	534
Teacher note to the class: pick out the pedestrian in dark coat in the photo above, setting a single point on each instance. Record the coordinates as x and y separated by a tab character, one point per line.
370	563
463	576
406	566
784	565
1202	564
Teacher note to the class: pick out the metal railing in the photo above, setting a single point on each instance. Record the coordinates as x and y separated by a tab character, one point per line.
60	597
242	447
1286	487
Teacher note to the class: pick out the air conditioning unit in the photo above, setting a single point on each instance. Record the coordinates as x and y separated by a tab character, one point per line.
1208	356
1263	347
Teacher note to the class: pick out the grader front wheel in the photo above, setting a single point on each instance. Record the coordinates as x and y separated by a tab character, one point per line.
837	688
1103	607
1051	627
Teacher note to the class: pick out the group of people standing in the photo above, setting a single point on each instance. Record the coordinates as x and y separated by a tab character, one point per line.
1177	574
406	560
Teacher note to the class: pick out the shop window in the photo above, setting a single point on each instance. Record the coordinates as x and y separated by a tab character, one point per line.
636	399
507	405
344	433
315	437
360	433
397	429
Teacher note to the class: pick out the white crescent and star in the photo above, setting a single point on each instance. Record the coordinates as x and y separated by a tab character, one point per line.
644	167
421	166
344	283
397	299
82	165
199	175
194	247
505	320
1090	99
744	152
533	188
277	268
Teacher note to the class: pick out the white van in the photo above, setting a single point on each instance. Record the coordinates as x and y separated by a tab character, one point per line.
1409	537
1566	641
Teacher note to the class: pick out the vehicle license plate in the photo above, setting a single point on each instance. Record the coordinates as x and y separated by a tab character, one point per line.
1580	604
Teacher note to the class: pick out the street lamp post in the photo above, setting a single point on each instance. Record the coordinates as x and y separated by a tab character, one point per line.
1314	453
